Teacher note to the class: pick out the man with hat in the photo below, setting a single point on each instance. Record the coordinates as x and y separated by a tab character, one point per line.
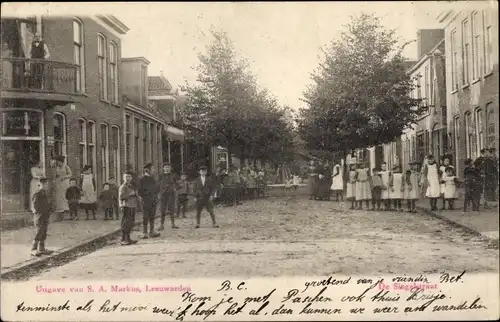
168	185
203	191
148	191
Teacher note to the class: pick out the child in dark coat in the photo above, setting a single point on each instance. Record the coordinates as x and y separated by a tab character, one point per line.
107	200
473	185
182	195
73	195
114	190
43	208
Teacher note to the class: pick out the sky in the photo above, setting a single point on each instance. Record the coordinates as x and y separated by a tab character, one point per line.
281	40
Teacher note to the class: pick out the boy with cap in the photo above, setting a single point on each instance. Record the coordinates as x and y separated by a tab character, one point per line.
148	191
203	191
168	185
182	195
42	207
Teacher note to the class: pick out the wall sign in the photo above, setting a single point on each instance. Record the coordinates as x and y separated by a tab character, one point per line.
21	123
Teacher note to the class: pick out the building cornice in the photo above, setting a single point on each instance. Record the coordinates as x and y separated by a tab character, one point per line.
136	109
162	97
135	59
114	23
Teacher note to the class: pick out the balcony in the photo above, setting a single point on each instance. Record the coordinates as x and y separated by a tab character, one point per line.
39	79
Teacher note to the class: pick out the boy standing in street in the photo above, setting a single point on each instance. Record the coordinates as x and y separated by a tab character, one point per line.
473	185
204	188
114	191
73	195
42	207
128	203
168	186
182	196
148	191
376	185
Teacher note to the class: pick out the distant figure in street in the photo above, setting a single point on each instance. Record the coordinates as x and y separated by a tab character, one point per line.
43	209
182	195
489	172
411	188
313	180
445	163
114	190
337	186
376	186
396	188
203	190
450	187
88	201
62	174
384	175
127	195
148	190
107	201
73	195
252	184
363	189
351	185
432	175
473	185
295	181
168	185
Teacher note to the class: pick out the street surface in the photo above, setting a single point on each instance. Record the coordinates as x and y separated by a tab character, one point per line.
290	235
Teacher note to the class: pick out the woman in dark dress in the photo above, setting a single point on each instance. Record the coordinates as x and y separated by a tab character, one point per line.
312	181
325	183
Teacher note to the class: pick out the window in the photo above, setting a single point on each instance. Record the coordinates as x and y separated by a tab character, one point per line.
128	139
454	61
91	135
82	143
101	57
456	136
468	135
436	142
413	149
151	142
136	144
59	123
114	162
476	32
427	85
478	122
104	153
158	146
488	42
420	148
145	142
113	71
465	52
491	123
78	56
419	87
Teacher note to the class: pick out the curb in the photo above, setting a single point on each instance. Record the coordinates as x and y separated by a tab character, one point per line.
453	223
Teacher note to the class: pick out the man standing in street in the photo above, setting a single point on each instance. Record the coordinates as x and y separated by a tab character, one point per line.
204	189
148	191
168	186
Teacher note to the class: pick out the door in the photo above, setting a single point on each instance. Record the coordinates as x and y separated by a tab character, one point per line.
17	159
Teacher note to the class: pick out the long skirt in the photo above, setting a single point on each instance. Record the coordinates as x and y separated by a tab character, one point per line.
351	191
61	202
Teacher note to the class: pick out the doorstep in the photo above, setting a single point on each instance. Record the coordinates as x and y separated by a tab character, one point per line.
18	220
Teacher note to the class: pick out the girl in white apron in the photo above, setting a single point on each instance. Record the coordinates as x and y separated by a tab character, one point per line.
338	182
88	201
450	187
432	175
444	165
351	184
396	188
384	175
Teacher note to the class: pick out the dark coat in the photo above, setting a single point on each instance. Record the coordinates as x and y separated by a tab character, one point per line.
147	188
41	203
204	191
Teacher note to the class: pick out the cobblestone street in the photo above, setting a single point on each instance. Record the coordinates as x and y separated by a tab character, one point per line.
290	235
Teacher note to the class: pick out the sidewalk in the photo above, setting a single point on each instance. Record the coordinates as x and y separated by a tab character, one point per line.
485	222
62	236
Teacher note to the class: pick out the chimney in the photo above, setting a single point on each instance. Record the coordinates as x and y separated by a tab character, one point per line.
428	39
161	74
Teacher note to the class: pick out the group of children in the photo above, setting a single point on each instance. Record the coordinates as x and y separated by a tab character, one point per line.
387	190
235	186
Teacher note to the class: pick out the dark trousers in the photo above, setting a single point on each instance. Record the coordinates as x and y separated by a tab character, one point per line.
41	222
229	194
182	204
433	203
108	213
206	203
167	205
117	209
397	203
387	204
376	197
73	210
128	220
472	195
148	214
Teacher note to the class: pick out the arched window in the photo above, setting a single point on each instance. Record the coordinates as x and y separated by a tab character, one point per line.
101	57
78	55
82	126
478	122
91	151
469	136
59	123
104	153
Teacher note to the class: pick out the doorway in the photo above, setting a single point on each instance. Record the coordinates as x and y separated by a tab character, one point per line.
18	156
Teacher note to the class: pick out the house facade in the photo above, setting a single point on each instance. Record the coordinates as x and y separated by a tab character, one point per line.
471	49
66	103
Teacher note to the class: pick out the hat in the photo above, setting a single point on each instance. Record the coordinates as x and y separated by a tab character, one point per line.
203	167
60	158
167	163
85	168
129	173
414	163
148	166
42	180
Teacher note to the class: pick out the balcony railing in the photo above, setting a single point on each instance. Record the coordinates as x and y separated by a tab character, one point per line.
39	75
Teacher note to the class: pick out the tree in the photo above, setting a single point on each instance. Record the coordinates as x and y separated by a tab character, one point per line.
360	95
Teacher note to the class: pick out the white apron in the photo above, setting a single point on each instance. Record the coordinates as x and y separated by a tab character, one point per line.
338	180
433	185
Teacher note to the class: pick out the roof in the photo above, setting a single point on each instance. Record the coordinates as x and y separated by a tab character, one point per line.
115	23
159	83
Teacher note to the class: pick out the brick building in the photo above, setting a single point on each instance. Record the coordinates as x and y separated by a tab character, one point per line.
429	135
471	41
66	104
